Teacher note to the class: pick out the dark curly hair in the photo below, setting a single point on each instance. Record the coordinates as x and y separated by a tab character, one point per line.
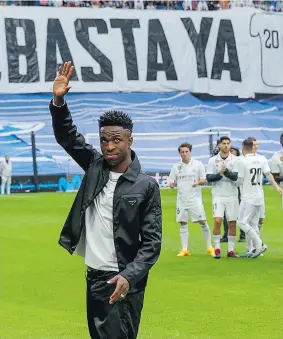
116	118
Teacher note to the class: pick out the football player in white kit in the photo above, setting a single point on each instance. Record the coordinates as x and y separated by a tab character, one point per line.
188	175
277	163
221	173
251	168
262	206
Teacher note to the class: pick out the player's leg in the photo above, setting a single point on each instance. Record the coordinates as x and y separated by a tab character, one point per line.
3	184
246	214
218	214
197	214
254	223
225	225
182	215
261	216
8	185
232	212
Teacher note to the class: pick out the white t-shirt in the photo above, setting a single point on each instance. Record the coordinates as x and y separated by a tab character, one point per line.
277	162
100	251
269	28
6	169
224	188
185	175
250	171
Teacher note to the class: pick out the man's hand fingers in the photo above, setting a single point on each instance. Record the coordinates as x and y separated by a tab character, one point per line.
117	293
113	280
70	71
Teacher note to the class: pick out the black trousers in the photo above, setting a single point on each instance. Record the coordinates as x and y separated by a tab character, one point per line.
117	321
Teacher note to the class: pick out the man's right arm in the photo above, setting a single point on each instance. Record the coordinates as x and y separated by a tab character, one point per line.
65	131
67	136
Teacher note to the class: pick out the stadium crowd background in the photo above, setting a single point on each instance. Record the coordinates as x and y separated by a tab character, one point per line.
202	5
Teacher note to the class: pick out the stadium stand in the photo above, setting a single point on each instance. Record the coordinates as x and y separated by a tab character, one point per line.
200	5
153	114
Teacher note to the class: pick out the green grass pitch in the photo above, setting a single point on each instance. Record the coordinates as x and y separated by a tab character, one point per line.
42	287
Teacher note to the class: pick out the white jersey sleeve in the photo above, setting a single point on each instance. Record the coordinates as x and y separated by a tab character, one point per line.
266	168
173	175
210	166
240	169
275	167
201	171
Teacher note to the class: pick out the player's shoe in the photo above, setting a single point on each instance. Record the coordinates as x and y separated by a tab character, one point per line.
246	255
217	254
232	254
258	252
184	253
211	251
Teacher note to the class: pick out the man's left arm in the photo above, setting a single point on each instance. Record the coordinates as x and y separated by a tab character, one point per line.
232	175
151	235
272	181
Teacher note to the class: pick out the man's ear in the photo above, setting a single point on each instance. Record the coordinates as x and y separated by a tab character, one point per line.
130	141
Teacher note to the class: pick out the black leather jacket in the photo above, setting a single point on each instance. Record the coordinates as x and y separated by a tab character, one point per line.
137	224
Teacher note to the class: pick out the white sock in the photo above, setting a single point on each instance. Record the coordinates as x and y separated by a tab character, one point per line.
256	229
250	244
206	234
231	242
250	232
184	236
216	239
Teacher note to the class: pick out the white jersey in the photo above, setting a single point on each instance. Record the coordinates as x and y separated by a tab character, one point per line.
250	171
185	175
277	162
269	28
223	188
6	168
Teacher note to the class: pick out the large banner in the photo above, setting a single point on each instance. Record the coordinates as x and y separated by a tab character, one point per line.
229	52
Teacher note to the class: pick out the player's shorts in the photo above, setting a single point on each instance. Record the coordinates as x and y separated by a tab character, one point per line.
249	214
194	212
262	211
230	208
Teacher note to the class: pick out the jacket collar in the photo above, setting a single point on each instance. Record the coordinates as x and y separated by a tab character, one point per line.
132	171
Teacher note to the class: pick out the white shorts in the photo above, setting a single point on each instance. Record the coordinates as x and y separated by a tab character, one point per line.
249	214
262	211
230	208
194	212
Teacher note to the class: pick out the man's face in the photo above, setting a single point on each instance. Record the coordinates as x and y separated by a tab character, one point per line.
185	154
6	158
281	139
115	142
255	146
225	146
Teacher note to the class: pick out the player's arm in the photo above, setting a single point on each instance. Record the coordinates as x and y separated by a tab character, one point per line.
201	176
272	181
211	176
172	180
65	131
240	172
232	175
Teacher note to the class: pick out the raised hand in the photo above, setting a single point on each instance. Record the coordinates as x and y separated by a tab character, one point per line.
61	82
